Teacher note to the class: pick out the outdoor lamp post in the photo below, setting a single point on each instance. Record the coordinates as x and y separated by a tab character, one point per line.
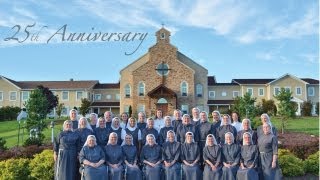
52	126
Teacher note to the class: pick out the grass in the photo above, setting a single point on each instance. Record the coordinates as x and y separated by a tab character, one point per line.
9	131
308	125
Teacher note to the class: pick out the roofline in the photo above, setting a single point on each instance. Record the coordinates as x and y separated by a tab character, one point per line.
287	74
10	82
133	62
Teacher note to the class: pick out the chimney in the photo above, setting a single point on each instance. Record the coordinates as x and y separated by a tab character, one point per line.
71	79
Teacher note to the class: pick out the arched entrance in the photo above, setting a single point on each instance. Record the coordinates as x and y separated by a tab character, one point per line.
162	104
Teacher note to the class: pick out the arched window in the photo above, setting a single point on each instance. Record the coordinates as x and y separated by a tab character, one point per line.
184	89
141	89
127	91
199	90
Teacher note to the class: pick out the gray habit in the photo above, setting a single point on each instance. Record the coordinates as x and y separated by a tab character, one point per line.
231	155
190	152
114	156
249	158
213	154
130	154
268	146
151	154
171	152
222	130
94	155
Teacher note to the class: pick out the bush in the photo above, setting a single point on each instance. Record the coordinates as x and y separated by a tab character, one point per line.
42	166
269	107
14	169
311	164
23	152
290	165
317	108
9	113
255	123
3	144
306	108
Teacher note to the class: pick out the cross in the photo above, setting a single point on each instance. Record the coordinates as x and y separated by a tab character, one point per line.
162	70
162	24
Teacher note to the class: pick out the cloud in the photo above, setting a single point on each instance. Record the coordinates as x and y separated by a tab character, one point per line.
309	58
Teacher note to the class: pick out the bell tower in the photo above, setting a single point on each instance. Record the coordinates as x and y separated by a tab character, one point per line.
163	36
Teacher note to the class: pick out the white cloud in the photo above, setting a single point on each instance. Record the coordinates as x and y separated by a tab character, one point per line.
310	58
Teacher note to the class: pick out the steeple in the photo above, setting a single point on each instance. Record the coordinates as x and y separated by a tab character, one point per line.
163	35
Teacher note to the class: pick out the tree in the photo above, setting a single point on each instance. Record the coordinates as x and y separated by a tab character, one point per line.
85	105
51	98
286	108
306	108
269	107
245	106
59	109
37	107
130	111
317	108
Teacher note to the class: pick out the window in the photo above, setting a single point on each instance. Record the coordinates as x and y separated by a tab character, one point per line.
212	94
162	69
184	109
288	89
13	95
250	91
141	108
163	35
79	95
65	111
65	95
141	89
224	93
235	94
199	90
25	95
261	91
1	95
298	91
108	96
310	91
276	91
97	97
184	89
117	96
127	91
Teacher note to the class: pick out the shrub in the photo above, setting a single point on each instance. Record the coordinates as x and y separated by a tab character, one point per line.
14	169
23	152
269	107
306	108
9	113
2	144
42	165
317	108
311	164
291	165
255	123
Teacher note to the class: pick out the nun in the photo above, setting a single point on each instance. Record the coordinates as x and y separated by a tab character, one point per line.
115	127
246	127
92	158
163	131
204	128
268	148
134	131
248	159
149	130
84	130
187	126
93	120
141	121
129	151
124	120
230	157
177	116
216	121
212	159
225	127
151	157
66	149
114	157
102	132
266	119
171	157
190	156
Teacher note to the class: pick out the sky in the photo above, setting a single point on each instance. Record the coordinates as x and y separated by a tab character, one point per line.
232	39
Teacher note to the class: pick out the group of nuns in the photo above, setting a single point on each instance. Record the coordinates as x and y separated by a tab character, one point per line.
177	148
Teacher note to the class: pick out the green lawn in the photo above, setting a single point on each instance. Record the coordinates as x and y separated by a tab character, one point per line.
9	131
309	125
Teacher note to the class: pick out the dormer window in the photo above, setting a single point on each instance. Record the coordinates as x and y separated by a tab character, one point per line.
163	35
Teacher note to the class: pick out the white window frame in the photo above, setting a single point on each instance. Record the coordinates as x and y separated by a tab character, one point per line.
224	93
127	87
22	95
233	94
15	95
118	96
299	87
62	99
77	97
214	94
141	89
287	87
312	91
108	96
185	107
96	97
1	95
199	90
184	88
251	90
274	90
259	91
